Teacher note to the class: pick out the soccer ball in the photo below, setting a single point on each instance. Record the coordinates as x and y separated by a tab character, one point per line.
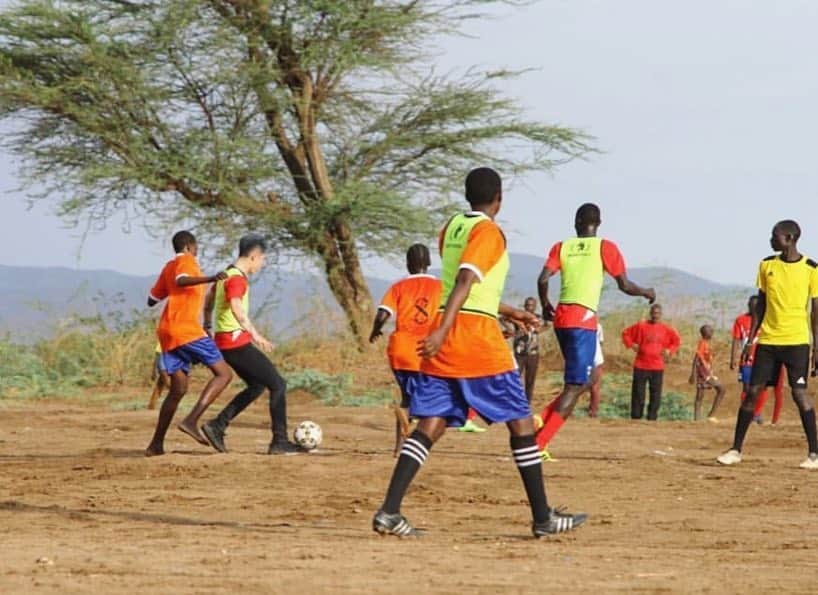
308	435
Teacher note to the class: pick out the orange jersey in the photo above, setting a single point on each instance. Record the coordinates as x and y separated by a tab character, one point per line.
181	319
704	353
413	303
475	346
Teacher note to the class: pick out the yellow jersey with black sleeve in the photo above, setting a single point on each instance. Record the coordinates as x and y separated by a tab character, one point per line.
788	288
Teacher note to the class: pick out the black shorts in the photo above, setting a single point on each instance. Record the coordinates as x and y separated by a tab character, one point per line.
769	359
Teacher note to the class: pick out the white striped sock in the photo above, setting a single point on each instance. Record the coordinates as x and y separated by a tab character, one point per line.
414	449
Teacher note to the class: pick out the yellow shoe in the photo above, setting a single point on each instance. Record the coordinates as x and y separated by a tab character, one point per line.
470	426
546	457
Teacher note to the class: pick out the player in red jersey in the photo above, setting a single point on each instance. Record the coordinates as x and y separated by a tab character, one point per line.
741	337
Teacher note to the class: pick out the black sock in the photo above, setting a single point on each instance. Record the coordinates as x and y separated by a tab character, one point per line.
743	421
808	421
527	458
413	454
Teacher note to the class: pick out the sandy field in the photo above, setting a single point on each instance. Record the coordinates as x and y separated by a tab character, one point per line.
81	510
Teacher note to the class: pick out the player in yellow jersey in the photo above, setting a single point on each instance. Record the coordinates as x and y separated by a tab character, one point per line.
787	287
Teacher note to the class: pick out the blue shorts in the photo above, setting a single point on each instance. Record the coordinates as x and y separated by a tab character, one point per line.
499	398
159	364
201	351
578	346
744	374
408	382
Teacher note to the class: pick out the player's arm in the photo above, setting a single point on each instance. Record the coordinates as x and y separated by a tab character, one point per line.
243	319
629	339
524	318
734	352
628	287
814	321
189	281
542	291
758	317
209	304
377	325
462	285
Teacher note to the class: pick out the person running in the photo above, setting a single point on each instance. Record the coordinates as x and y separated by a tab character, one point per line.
741	337
159	375
582	263
412	301
467	362
654	343
184	342
243	347
526	347
702	375
787	284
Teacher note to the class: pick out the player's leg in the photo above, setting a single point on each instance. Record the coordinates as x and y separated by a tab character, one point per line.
719	388
178	388
655	380
501	399
531	366
161	380
407	383
206	352
596	391
578	348
764	365
214	430
779	396
640	379
796	360
697	404
435	402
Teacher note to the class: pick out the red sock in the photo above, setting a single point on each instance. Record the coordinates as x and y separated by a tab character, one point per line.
551	426
471	415
779	403
762	399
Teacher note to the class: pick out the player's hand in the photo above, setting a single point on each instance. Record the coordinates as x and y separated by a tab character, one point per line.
635	348
264	344
691	379
429	346
745	355
527	319
220	276
375	336
548	312
732	365
666	355
209	332
650	295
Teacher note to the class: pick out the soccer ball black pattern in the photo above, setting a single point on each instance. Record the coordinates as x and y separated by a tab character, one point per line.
308	435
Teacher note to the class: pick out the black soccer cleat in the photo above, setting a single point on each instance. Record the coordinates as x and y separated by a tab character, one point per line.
284	447
214	435
558	522
396	524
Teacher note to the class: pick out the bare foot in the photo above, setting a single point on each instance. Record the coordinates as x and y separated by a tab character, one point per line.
193	432
154	451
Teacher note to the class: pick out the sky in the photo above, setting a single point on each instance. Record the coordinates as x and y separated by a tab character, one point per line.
704	113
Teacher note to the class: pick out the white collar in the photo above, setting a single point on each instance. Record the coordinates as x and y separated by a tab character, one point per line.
476	214
416	275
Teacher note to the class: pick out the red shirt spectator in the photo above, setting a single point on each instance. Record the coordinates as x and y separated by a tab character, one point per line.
652	339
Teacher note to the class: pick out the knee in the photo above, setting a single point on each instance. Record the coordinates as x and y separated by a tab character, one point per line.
802	400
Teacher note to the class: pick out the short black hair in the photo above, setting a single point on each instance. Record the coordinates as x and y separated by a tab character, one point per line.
482	186
790	227
250	242
588	214
182	240
418	258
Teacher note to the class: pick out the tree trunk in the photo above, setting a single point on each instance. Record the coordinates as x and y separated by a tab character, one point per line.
346	281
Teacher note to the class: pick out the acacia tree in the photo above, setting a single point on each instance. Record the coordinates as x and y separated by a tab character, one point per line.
318	122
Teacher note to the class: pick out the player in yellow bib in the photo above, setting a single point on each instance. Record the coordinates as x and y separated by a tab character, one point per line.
241	345
787	288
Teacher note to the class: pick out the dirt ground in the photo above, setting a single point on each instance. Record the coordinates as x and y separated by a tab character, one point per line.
82	510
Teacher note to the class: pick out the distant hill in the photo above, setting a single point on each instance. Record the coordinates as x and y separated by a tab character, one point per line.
35	299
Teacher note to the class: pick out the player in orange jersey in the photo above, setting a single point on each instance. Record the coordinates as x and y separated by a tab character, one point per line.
184	342
702	375
413	302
